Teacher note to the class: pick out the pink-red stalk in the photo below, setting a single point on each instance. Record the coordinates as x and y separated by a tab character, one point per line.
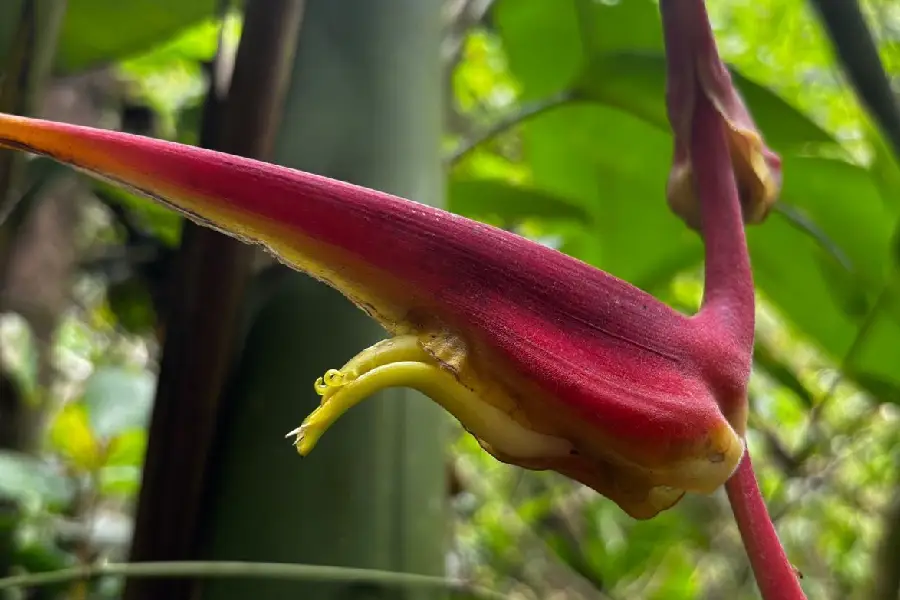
775	576
728	306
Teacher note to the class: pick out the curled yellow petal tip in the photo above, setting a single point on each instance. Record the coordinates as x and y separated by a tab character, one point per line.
402	362
332	380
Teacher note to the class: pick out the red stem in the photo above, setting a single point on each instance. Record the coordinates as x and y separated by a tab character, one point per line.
774	574
728	299
728	308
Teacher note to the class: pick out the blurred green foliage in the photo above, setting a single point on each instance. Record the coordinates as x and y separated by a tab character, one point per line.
98	32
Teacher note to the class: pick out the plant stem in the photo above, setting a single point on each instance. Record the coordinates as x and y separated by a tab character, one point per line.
727	316
728	295
728	313
774	574
247	570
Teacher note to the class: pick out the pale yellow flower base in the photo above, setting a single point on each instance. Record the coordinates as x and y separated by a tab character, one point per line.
402	362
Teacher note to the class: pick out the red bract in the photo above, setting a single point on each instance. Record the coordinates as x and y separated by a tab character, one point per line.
549	362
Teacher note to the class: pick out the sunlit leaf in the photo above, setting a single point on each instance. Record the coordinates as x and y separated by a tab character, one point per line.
120	480
118	400
127	448
72	437
101	31
162	222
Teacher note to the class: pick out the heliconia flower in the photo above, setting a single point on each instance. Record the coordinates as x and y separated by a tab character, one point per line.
694	68
549	362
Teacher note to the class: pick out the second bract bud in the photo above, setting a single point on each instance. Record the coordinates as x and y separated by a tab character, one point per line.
694	67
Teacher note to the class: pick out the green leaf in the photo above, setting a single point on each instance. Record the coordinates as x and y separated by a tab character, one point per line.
102	31
493	197
127	449
781	373
843	200
163	222
23	478
118	400
880	388
132	305
71	435
636	83
829	304
616	165
886	173
548	66
795	274
612	53
20	360
120	481
548	42
620	25
885	170
39	556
